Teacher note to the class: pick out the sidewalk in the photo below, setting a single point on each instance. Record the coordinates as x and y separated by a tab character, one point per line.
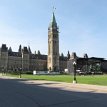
64	86
70	86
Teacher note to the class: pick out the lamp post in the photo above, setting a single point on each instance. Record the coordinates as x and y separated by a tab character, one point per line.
74	65
20	72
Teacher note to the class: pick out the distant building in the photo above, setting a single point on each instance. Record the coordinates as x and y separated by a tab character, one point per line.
25	60
86	65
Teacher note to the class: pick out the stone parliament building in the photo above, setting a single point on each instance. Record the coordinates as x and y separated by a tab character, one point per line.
24	60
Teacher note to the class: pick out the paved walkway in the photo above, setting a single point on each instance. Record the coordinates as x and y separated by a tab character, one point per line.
70	86
65	86
15	92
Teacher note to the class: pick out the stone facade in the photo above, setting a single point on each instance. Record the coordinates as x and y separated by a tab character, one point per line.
25	60
86	65
22	60
53	46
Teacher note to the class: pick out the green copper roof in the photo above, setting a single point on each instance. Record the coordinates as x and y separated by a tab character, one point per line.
53	21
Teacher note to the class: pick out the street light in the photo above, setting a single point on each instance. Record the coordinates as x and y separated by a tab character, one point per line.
20	72
74	65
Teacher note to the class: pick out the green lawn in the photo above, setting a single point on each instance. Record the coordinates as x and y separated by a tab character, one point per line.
92	79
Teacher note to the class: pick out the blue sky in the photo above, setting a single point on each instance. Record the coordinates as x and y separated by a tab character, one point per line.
82	25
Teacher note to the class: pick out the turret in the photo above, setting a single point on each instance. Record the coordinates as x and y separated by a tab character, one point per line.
29	50
20	49
3	57
25	59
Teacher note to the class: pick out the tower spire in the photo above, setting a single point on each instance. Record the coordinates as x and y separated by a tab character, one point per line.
53	20
53	45
54	9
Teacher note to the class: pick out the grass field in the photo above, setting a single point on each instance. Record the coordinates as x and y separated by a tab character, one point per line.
92	79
